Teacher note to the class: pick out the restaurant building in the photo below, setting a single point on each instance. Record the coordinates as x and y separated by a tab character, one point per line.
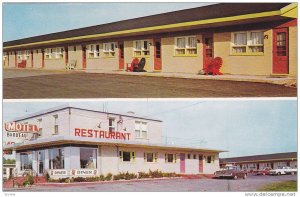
68	142
251	39
259	162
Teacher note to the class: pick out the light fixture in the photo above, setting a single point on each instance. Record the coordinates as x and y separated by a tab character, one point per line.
150	44
198	40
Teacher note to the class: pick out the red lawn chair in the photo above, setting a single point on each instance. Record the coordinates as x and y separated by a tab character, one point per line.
134	64
213	67
22	64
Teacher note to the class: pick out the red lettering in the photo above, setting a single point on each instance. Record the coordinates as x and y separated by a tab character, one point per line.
101	134
118	135
77	132
96	133
128	135
83	132
123	136
112	135
107	134
90	134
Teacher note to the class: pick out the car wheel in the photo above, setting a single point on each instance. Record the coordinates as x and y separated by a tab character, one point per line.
245	176
235	177
278	173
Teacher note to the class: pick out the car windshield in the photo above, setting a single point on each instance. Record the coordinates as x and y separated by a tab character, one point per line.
230	168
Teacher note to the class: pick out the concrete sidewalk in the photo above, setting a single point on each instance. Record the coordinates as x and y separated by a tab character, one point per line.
287	81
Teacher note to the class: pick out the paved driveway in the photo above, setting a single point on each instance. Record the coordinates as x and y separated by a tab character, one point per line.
252	183
58	84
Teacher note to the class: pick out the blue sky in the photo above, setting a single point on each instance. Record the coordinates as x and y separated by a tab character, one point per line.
243	127
22	20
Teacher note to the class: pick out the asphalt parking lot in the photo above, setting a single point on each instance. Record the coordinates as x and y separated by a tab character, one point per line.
26	84
252	183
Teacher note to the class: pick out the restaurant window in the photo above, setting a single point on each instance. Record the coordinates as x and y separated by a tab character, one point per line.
109	49
186	45
48	53
248	42
150	157
141	48
141	129
209	159
111	124
74	49
59	53
26	55
93	50
127	156
195	156
37	51
170	158
40	126
26	161
88	158
56	158
55	124
20	55
189	156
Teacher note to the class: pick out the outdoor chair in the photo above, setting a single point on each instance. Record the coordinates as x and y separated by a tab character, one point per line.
71	65
141	66
130	67
22	64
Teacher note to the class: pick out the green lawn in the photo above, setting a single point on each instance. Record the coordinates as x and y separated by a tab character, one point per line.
280	186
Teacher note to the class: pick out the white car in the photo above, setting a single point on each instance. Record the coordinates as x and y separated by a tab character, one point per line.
283	170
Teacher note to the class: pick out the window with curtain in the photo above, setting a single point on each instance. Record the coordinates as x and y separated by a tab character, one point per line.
185	45
26	161
88	158
48	53
93	50
248	42
59	53
141	48
109	49
141	129
56	158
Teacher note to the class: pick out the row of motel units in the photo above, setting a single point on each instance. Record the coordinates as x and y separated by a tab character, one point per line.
68	141
258	162
251	38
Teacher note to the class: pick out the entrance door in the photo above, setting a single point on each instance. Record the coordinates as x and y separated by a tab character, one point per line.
280	51
121	55
208	49
157	54
40	161
182	163
31	53
66	55
43	58
200	163
83	56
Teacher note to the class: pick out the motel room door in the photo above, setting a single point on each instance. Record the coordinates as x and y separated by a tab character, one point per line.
83	56
208	49
200	163
121	55
182	163
31	55
157	54
280	51
40	162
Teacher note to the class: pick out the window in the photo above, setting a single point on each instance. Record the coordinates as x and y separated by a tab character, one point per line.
93	50
141	129
127	156
248	42
37	51
59	53
56	158
40	134
26	55
20	55
111	124
150	157
186	45
141	48
88	158
210	159
74	49
55	124
195	156
48	53
170	158
189	156
109	49
26	161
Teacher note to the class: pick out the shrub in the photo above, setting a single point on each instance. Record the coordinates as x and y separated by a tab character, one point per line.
143	175
79	179
116	177
102	177
155	174
128	176
47	176
26	183
30	179
92	179
108	177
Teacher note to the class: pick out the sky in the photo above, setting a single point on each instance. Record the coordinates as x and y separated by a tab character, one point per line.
21	20
242	127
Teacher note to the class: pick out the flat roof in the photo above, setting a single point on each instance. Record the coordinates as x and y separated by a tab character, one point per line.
208	12
63	107
61	140
266	157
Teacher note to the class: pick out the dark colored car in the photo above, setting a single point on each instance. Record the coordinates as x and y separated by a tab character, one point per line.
265	171
233	172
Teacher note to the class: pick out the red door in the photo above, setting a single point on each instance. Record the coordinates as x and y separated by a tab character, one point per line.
208	48
83	56
280	51
121	55
157	54
200	163
16	61
43	58
182	163
31	53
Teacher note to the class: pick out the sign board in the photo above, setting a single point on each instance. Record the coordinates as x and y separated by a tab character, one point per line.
58	172
93	133
84	172
20	127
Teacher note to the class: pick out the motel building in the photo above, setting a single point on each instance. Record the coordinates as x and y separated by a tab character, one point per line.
69	142
259	162
251	38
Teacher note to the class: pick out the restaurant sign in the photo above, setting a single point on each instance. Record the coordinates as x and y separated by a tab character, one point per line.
93	133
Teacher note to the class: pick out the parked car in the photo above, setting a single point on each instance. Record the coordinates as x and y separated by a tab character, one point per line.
264	171
283	170
231	172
